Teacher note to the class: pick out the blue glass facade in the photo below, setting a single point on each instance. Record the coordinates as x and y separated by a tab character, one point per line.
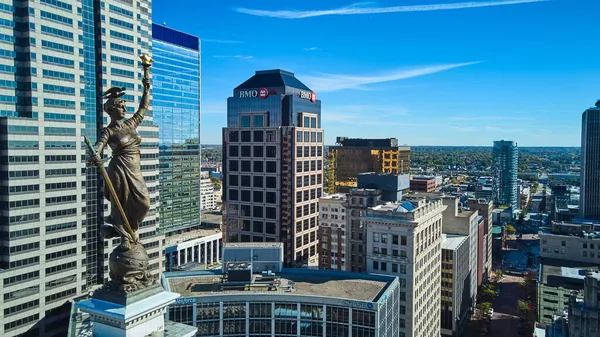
176	106
506	160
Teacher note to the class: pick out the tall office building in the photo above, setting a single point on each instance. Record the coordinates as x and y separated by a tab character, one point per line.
176	103
404	239
352	156
506	166
273	165
589	200
55	58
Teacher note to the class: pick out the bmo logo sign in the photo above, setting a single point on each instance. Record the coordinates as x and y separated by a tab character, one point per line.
311	96
262	93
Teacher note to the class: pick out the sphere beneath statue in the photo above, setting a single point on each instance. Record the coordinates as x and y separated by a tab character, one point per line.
129	264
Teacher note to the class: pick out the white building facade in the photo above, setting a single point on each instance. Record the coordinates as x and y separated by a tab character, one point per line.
404	240
332	232
208	198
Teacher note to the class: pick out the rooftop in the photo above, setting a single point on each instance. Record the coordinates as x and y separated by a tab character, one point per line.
354	286
252	244
273	78
183	237
556	272
453	241
336	196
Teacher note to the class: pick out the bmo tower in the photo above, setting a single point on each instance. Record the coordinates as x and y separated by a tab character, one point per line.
273	165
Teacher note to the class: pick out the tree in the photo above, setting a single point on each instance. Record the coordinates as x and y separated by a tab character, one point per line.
215	181
499	274
510	229
488	291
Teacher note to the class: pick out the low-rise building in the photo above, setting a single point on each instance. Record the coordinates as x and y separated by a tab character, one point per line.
208	198
422	185
584	314
294	302
557	280
404	239
455	297
498	239
264	256
192	250
332	232
571	241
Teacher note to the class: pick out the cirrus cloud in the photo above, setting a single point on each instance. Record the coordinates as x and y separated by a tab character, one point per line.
335	82
361	8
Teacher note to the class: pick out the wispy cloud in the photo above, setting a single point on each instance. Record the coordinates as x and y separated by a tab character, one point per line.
239	57
311	48
334	82
489	118
220	41
361	8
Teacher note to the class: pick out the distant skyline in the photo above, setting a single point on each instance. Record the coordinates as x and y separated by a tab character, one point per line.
426	72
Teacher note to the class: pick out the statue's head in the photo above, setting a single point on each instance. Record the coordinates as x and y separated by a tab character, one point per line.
115	105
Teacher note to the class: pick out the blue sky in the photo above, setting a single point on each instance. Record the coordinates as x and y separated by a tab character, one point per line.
428	72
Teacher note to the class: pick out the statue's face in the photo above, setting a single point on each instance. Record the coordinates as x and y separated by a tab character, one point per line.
119	110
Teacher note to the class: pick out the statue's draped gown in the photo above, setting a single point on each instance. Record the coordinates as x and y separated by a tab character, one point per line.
125	174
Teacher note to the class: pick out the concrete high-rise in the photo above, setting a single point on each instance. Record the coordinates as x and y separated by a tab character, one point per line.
273	165
176	102
332	232
505	169
57	56
404	239
589	200
352	156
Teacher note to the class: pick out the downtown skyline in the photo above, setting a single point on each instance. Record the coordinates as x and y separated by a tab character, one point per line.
425	72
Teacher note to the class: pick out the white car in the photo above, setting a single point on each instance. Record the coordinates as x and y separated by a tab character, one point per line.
491	313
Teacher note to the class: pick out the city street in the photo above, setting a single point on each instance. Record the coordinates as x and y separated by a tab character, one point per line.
505	321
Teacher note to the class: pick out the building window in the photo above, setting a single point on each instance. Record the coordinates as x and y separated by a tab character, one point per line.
246	151
257	196
245	121
403	240
313	122
258	122
375	265
270	226
375	237
306	122
258	181
233	165
233	151
271	167
384	238
246	136
270	136
258	151
271	182
271	153
234	136
258	166
246	181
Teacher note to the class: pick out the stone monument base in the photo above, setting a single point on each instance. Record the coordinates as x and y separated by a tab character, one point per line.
137	314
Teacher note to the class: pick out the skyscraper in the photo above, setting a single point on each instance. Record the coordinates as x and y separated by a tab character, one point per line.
589	200
506	166
56	57
352	156
273	164
176	93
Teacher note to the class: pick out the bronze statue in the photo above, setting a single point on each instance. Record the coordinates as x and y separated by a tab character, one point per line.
125	188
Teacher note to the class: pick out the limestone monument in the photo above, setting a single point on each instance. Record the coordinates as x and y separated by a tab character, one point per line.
133	302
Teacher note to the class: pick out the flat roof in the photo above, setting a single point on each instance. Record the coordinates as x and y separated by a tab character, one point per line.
252	244
453	241
553	270
191	235
353	286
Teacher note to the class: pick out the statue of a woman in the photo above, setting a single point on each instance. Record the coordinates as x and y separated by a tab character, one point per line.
125	188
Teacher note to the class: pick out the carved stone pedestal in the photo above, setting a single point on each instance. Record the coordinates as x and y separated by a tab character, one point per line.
137	314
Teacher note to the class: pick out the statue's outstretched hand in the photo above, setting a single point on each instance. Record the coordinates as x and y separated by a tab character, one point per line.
95	160
146	83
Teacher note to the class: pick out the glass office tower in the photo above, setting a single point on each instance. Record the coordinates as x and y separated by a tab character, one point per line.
506	166
589	201
55	58
176	85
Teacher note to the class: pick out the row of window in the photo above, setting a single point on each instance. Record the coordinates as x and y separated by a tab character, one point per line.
257	211
59	268
249	166
257	196
257	121
396	239
257	181
61	199
19	204
63	48
268	136
26	320
252	151
61	254
58	61
61	227
309	165
258	226
305	210
56	18
21	307
308	195
309	137
25	262
24	248
58	4
306	224
309	151
309	180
